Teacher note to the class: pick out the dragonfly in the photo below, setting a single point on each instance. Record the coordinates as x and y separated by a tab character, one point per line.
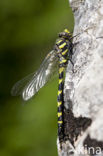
56	60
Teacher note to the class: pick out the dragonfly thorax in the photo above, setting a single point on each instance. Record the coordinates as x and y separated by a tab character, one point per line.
62	48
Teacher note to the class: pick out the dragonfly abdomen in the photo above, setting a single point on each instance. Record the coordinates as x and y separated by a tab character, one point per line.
62	47
60	103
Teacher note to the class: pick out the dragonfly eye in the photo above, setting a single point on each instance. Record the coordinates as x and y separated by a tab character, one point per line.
65	35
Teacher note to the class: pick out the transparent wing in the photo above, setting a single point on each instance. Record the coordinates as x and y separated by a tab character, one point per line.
28	86
19	86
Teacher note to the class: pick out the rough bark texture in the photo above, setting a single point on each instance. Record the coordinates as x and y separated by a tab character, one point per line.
83	91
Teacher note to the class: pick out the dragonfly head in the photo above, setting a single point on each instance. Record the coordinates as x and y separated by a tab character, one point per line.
66	34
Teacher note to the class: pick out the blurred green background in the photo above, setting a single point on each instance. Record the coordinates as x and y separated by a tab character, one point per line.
28	30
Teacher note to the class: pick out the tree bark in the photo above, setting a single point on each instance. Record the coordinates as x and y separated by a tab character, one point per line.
83	90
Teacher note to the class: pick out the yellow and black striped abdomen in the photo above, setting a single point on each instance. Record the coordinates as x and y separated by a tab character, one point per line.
60	103
62	51
63	48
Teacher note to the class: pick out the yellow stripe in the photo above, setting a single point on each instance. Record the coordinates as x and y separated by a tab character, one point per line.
63	61
60	80
67	31
59	103
61	70
59	41
64	52
59	114
60	122
62	45
59	92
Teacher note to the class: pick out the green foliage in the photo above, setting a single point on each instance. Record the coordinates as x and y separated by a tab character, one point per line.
28	30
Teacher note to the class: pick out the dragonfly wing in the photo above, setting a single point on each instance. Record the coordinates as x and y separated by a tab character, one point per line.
38	80
19	86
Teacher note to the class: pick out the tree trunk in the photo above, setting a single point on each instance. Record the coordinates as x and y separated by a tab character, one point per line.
83	90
